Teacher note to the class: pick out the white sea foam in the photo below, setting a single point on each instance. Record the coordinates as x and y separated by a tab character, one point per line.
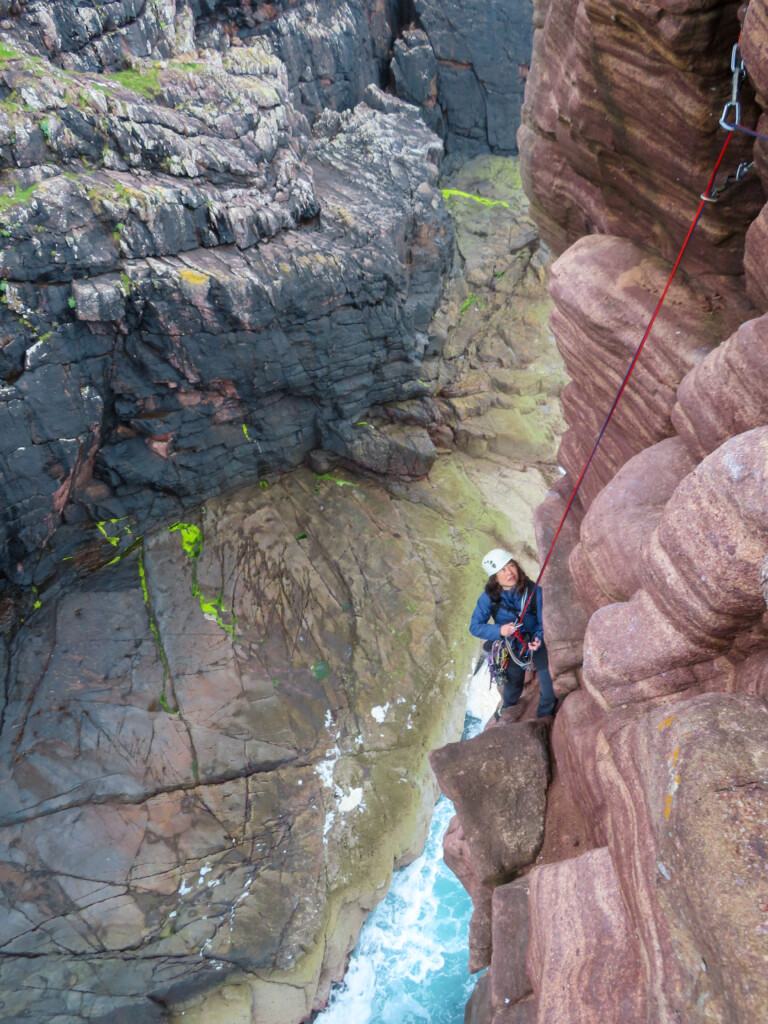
482	697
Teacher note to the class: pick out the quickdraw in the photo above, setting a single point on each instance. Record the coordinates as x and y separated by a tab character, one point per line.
733	107
738	74
733	179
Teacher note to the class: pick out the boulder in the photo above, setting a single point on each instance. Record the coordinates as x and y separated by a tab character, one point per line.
503	821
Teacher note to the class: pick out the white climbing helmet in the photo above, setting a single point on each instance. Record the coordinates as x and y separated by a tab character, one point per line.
496	560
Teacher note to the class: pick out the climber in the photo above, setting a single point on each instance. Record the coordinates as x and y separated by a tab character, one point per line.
506	594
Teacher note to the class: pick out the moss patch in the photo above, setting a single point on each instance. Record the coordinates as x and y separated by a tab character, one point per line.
454	193
145	81
18	196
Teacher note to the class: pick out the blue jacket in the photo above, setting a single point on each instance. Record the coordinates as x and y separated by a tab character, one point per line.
509	610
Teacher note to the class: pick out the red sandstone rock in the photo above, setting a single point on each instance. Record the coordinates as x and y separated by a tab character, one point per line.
575	745
583	958
510	928
565	614
605	290
523	1012
754	48
664	751
751	676
566	832
480	935
702	578
754	259
598	120
725	394
497	829
581	574
478	1009
619	522
457	856
687	788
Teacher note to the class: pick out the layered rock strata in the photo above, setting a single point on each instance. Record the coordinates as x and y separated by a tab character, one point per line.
655	598
174	339
162	183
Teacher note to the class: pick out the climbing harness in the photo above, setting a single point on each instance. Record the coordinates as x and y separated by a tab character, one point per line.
739	71
501	653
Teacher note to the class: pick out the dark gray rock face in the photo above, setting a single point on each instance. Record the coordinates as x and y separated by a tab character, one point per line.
333	50
195	292
415	73
482	51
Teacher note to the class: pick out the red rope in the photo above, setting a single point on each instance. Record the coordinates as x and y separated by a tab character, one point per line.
631	368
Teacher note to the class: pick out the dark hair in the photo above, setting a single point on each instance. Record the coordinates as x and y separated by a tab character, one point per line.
493	587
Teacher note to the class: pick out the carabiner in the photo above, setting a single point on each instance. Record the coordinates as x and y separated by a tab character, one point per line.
724	116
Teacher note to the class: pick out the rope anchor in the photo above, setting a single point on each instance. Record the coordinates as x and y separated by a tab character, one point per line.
733	179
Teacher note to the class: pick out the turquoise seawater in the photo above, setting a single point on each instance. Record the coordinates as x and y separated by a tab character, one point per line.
410	962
